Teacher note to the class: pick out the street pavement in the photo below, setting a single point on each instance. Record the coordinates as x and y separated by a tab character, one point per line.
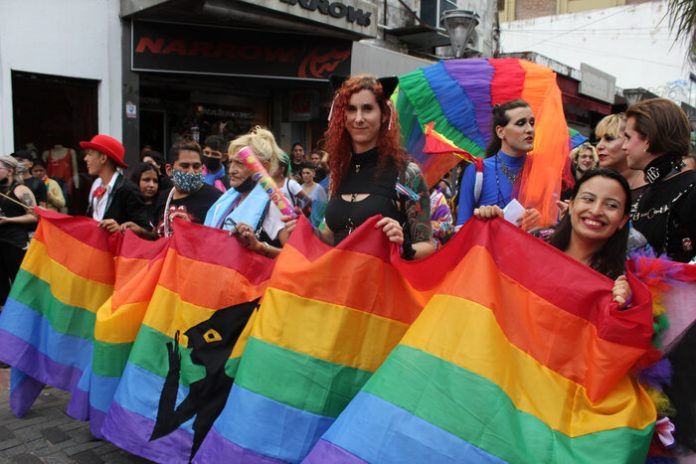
48	435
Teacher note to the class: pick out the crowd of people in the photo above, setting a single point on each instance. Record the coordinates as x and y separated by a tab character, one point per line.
637	181
635	188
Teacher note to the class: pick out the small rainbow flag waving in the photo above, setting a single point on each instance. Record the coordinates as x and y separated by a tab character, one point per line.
455	98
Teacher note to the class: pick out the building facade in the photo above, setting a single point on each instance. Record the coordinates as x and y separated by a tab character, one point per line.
150	72
626	39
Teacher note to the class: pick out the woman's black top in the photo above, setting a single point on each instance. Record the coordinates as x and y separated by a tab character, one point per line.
665	213
16	235
364	177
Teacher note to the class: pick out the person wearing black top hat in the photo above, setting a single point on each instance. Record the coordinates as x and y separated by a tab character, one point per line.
657	137
113	199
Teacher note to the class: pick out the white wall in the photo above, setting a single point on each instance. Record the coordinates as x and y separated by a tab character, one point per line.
71	38
366	58
630	42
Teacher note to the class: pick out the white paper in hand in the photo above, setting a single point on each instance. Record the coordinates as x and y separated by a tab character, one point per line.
513	211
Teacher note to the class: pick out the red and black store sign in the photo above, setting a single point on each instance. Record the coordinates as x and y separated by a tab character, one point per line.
182	48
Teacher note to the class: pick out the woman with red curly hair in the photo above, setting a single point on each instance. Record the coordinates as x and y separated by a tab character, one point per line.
370	172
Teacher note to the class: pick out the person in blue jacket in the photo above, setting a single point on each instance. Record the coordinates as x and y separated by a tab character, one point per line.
512	138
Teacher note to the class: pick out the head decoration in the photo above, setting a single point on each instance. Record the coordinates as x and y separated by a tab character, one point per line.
108	146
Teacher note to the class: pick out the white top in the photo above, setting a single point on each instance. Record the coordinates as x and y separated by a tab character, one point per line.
99	204
273	222
291	186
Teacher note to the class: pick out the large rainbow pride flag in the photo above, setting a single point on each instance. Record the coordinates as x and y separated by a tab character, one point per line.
329	318
504	364
478	352
455	99
138	265
495	351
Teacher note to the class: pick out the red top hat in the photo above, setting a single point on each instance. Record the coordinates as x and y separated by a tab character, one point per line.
109	146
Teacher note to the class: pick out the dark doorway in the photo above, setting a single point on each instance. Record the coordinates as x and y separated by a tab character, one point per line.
54	110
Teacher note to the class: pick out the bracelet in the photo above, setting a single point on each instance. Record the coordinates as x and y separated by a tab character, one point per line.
266	250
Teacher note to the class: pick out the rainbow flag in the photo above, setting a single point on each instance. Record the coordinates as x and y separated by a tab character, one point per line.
329	318
182	363
47	324
457	97
576	138
138	265
525	360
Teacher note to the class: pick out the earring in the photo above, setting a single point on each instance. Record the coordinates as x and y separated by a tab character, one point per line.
333	102
391	113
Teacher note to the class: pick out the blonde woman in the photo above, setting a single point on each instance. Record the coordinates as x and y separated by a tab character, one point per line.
584	158
245	209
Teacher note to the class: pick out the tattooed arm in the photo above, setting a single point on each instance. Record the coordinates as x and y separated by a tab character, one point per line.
27	198
418	212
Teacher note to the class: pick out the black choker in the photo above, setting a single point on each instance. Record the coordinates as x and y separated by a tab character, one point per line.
661	167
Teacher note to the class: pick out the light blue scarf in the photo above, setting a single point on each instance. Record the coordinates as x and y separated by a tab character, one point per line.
249	211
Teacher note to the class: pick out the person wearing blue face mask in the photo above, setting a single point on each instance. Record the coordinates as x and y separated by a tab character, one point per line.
191	197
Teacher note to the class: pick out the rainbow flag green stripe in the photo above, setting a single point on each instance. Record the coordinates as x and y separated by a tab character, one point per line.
299	380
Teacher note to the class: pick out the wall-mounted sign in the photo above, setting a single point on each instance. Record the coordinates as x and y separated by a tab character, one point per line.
337	10
181	48
356	16
597	84
131	110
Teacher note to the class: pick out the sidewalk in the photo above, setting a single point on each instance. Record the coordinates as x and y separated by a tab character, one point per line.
48	435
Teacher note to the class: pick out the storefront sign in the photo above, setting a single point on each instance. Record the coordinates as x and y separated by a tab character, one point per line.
335	10
355	16
181	48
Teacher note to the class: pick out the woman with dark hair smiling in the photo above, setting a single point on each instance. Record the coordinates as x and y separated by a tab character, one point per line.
368	168
595	230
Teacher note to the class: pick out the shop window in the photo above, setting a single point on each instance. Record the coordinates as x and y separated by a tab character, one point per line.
50	111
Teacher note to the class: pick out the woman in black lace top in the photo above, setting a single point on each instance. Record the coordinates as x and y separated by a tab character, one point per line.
370	172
